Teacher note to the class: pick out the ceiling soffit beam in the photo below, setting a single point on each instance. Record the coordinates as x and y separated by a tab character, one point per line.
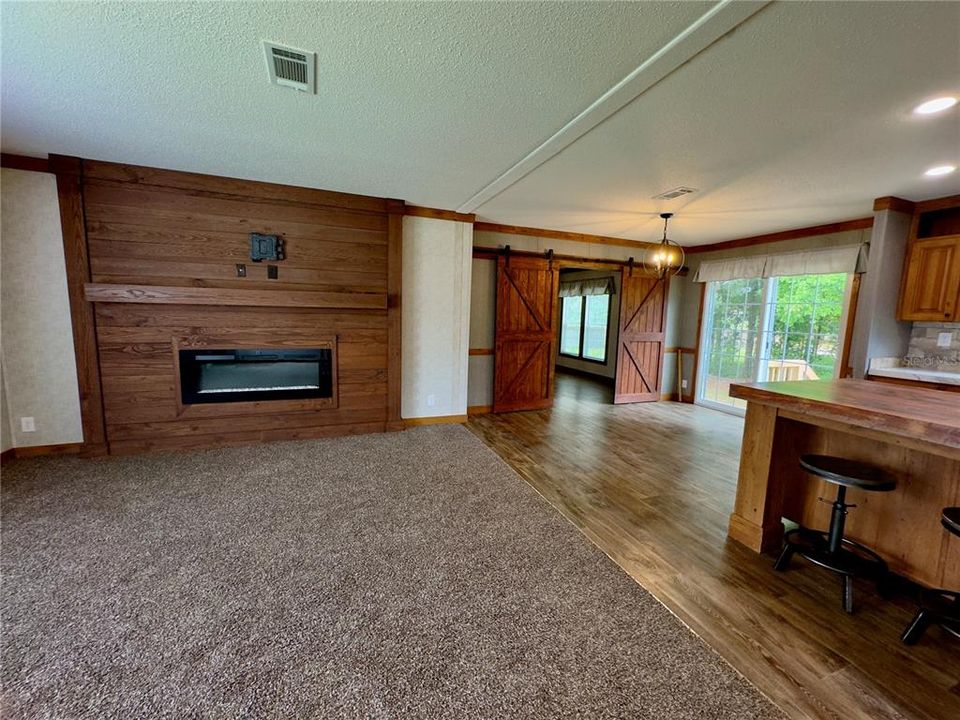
713	25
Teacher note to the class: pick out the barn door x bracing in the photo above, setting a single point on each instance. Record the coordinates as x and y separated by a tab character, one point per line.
525	334
640	345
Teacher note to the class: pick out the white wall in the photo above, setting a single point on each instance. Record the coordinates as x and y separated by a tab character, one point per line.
483	301
6	438
36	349
876	332
436	316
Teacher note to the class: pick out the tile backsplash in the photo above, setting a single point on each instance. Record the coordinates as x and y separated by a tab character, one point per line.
924	350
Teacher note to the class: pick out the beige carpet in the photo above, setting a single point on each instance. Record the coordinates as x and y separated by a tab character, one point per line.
408	575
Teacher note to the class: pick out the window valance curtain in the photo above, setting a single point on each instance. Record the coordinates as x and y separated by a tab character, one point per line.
844	259
593	286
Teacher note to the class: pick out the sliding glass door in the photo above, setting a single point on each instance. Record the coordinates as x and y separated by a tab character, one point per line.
770	329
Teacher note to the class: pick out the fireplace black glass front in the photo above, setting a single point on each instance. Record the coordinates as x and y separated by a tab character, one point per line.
217	376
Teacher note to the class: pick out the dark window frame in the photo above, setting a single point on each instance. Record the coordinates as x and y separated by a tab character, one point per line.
583	327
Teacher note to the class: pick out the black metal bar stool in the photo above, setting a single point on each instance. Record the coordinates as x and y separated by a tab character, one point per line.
941	607
831	550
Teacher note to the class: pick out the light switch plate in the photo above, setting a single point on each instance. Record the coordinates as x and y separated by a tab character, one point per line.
683	384
944	339
27	424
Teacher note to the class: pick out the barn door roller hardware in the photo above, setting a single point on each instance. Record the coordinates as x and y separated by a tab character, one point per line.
549	254
506	255
630	267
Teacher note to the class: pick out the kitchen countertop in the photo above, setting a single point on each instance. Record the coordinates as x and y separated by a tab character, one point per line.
930	417
893	368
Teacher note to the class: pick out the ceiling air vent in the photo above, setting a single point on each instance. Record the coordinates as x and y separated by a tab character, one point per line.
290	67
675	193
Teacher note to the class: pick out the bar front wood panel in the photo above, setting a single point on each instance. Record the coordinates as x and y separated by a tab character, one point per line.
858	420
163	251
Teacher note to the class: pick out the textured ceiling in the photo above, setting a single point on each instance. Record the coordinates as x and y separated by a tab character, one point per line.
800	116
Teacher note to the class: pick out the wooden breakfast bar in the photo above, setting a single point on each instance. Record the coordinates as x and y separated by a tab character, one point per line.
913	433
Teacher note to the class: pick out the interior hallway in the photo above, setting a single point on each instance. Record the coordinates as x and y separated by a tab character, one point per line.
653	485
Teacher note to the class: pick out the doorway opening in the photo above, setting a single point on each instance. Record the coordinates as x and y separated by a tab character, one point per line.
770	329
587	333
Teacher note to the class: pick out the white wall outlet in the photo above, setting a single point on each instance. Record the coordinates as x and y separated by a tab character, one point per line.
431	400
27	424
683	384
944	339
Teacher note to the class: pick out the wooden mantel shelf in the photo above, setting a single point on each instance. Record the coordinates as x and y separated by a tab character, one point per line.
917	417
168	295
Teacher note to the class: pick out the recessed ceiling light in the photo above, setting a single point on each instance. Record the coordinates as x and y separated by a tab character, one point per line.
936	105
940	170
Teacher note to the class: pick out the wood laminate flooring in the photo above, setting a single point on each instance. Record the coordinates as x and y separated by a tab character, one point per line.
653	486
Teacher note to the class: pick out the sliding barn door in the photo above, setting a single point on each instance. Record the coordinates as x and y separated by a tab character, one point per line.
643	301
525	334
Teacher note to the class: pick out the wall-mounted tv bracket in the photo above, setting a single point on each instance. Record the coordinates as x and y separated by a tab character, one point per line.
266	247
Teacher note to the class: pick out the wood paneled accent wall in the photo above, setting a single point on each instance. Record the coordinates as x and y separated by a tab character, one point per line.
162	250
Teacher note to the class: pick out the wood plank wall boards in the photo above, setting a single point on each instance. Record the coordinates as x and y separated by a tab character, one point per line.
156	254
75	251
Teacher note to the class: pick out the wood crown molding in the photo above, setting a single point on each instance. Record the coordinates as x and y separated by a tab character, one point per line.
23	162
438	214
559	235
828	229
949	201
896	204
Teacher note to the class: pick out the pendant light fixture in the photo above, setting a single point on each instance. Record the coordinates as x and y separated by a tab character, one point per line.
666	257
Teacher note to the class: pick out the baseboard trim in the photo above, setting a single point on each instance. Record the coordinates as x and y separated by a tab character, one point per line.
40	450
479	410
437	420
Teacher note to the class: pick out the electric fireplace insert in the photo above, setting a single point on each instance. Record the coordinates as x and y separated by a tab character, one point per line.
241	375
